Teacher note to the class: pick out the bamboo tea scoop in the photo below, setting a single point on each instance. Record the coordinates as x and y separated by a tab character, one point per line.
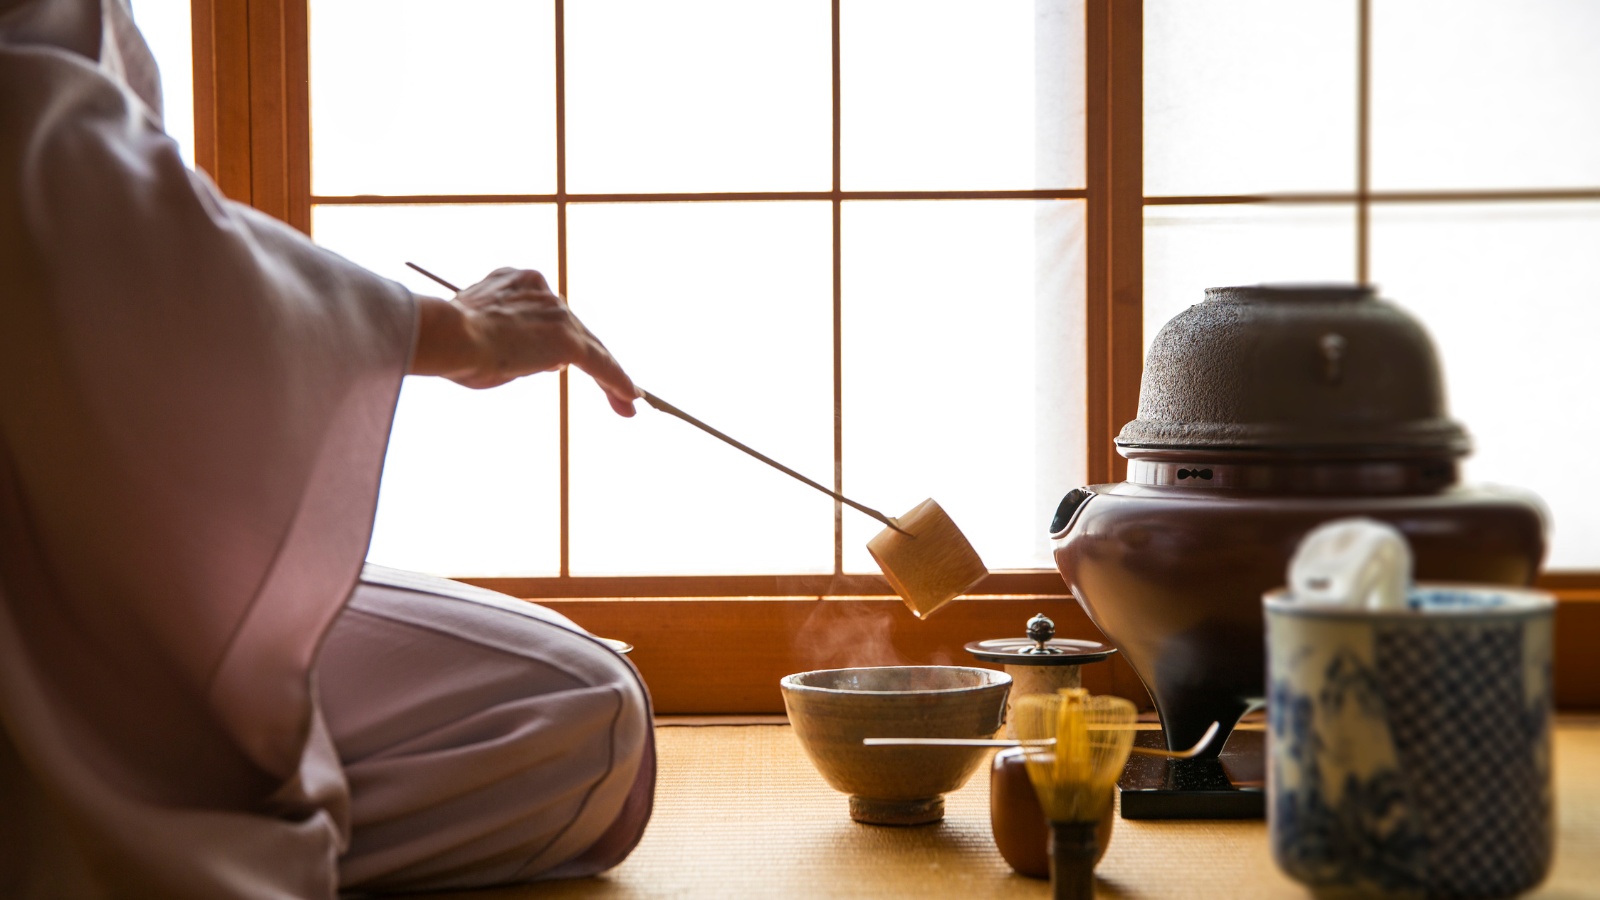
1200	745
925	557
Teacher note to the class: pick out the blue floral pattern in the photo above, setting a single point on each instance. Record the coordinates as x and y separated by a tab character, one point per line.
1368	837
1410	757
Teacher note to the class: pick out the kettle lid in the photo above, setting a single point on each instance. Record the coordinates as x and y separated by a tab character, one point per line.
1324	369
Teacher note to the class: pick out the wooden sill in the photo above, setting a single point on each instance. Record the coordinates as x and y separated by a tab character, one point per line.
705	656
726	655
1031	582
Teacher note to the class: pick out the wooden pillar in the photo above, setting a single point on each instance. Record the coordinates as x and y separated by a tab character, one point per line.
1115	170
251	103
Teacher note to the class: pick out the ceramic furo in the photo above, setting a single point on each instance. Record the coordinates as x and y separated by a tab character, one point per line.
833	710
1264	412
1409	750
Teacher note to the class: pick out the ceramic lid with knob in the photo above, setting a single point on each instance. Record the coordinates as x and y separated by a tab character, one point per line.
1040	648
1329	370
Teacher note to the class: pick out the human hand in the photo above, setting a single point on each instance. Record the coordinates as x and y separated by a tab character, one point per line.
508	325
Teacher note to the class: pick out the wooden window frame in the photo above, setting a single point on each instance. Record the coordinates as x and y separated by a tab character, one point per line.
718	644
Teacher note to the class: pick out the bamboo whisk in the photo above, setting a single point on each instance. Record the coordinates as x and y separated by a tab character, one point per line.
1076	746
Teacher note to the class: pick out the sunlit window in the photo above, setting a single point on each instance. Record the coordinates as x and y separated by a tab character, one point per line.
165	26
1473	200
859	245
882	295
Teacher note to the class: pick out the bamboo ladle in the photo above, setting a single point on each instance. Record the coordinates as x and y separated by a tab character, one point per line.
926	558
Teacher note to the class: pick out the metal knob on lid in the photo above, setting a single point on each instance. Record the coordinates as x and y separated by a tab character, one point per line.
1040	631
1040	648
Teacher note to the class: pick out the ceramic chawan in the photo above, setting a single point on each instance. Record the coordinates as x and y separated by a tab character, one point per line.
1409	748
833	710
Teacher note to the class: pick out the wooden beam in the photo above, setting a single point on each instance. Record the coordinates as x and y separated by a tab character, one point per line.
297	112
269	181
1577	666
1114	167
1570	584
1040	582
1097	174
727	656
252	103
203	58
1126	337
222	94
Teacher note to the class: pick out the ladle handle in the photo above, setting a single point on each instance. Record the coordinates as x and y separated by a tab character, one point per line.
671	410
434	277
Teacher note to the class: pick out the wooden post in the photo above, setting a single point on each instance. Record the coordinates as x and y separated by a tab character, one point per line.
251	98
1115	168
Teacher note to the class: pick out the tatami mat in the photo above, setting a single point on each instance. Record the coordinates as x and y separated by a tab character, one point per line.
740	813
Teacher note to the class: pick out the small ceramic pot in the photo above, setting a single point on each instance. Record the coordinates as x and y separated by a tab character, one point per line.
1021	831
1409	748
1040	663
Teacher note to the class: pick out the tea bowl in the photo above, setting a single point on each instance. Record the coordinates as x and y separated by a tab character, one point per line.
834	710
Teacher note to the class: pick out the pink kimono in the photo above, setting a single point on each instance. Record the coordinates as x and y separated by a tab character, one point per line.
202	694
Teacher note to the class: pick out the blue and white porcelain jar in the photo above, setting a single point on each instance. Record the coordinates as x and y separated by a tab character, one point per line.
1409	744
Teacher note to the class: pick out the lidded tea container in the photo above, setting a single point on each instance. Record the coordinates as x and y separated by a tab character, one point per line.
1040	663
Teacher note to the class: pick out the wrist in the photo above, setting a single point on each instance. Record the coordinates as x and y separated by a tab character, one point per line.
446	344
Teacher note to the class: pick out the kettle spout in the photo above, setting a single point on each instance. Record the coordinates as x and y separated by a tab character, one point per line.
1067	511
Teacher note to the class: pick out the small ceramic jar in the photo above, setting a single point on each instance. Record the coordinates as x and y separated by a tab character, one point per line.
1040	663
1021	831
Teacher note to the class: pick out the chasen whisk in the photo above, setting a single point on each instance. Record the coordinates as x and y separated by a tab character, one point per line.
1076	745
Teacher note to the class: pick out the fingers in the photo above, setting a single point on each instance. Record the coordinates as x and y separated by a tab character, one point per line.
522	280
599	364
622	407
608	374
537	329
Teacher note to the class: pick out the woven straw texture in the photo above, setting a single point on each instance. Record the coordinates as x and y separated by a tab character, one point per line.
741	813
